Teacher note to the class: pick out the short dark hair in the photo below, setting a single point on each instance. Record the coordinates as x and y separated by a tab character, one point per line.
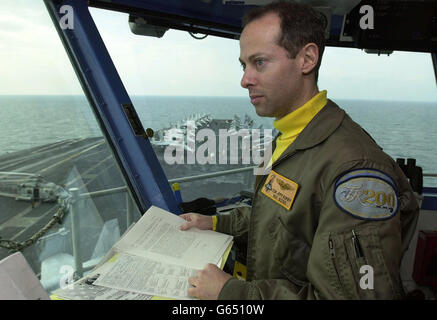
300	25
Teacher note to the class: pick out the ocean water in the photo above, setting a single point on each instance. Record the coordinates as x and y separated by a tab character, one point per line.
403	128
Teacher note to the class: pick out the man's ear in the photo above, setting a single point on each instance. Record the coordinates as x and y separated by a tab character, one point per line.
309	57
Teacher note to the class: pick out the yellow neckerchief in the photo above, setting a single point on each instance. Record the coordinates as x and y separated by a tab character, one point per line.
293	123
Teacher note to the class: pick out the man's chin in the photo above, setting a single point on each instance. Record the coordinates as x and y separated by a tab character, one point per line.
262	112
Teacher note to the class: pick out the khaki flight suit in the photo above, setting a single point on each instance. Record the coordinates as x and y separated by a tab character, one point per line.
310	251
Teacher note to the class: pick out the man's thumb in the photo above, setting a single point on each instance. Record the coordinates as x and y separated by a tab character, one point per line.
185	226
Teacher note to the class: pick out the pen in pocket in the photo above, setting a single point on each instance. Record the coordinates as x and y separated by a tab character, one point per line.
357	246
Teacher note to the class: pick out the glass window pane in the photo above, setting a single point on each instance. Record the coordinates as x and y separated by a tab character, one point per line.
177	79
393	97
53	155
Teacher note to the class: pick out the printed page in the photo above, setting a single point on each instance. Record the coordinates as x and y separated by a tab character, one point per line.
157	236
85	288
142	275
84	291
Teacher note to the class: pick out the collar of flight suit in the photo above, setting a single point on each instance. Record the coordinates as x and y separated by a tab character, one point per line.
293	123
324	123
318	130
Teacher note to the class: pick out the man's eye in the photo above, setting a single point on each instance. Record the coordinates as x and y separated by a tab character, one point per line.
259	62
243	66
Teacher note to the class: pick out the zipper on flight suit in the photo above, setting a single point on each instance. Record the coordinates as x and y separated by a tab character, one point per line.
331	248
334	262
257	188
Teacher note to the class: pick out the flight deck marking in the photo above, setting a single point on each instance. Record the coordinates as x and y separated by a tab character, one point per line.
29	221
38	152
24	168
71	157
12	221
33	221
86	172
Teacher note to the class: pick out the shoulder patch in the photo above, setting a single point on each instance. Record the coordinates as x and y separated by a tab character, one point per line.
367	194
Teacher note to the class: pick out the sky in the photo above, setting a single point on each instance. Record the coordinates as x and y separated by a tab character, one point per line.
33	61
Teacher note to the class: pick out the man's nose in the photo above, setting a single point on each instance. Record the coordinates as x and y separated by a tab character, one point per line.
248	79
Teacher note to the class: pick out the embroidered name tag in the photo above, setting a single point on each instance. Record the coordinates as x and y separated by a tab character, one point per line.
367	194
280	189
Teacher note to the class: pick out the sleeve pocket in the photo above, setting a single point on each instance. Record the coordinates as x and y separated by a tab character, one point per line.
357	267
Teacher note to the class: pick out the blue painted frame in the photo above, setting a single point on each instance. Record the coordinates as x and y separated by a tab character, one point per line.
106	94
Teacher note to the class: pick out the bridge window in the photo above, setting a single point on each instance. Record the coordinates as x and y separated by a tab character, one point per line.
392	97
51	153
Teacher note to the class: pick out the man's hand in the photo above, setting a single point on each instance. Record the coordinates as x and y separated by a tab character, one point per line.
196	220
208	283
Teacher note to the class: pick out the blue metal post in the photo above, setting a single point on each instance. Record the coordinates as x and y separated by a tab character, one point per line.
107	96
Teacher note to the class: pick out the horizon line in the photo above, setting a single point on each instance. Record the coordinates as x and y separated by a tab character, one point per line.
206	96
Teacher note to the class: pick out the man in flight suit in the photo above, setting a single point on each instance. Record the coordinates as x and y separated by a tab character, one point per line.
333	217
